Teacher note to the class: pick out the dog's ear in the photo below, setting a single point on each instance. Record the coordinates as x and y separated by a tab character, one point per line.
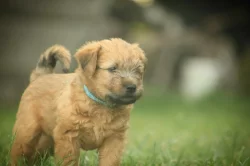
141	53
87	59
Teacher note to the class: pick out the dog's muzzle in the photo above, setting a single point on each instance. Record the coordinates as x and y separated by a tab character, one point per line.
125	99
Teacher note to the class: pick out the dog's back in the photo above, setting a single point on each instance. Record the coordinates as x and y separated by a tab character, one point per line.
42	94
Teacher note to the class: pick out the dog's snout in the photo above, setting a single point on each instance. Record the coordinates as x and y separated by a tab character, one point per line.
131	88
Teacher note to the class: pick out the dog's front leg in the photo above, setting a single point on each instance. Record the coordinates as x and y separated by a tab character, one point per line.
110	152
67	149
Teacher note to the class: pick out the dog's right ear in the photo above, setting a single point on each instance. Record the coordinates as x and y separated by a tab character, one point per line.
87	58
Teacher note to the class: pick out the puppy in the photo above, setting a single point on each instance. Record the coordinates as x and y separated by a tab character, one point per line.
88	109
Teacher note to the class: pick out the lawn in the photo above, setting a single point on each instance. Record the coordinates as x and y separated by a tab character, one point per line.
165	130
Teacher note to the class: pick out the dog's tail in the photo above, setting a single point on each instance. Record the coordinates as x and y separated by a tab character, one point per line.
47	61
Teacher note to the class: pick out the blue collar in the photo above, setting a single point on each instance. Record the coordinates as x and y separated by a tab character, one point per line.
92	96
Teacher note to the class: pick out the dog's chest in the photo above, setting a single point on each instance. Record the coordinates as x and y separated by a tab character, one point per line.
94	129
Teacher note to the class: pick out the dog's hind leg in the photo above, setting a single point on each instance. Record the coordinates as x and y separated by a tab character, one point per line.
44	147
27	134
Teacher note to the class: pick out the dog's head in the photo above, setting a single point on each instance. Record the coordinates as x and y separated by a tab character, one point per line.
113	70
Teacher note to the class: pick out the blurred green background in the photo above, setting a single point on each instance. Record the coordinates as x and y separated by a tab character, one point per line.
196	107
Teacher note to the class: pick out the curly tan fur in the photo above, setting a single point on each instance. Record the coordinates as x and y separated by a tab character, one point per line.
55	111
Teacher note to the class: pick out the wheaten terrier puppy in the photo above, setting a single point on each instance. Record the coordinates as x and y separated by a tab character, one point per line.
88	109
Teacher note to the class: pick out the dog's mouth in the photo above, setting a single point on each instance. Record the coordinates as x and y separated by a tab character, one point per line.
123	100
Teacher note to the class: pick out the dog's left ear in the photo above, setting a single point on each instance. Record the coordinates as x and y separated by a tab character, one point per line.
87	58
142	56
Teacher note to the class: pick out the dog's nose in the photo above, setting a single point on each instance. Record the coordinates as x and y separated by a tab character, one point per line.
131	88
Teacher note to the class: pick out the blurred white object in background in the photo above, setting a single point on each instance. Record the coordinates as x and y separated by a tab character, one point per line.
199	77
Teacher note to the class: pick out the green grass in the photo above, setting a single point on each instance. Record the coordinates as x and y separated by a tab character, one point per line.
166	130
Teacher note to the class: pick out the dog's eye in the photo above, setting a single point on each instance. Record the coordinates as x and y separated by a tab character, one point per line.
112	69
138	70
